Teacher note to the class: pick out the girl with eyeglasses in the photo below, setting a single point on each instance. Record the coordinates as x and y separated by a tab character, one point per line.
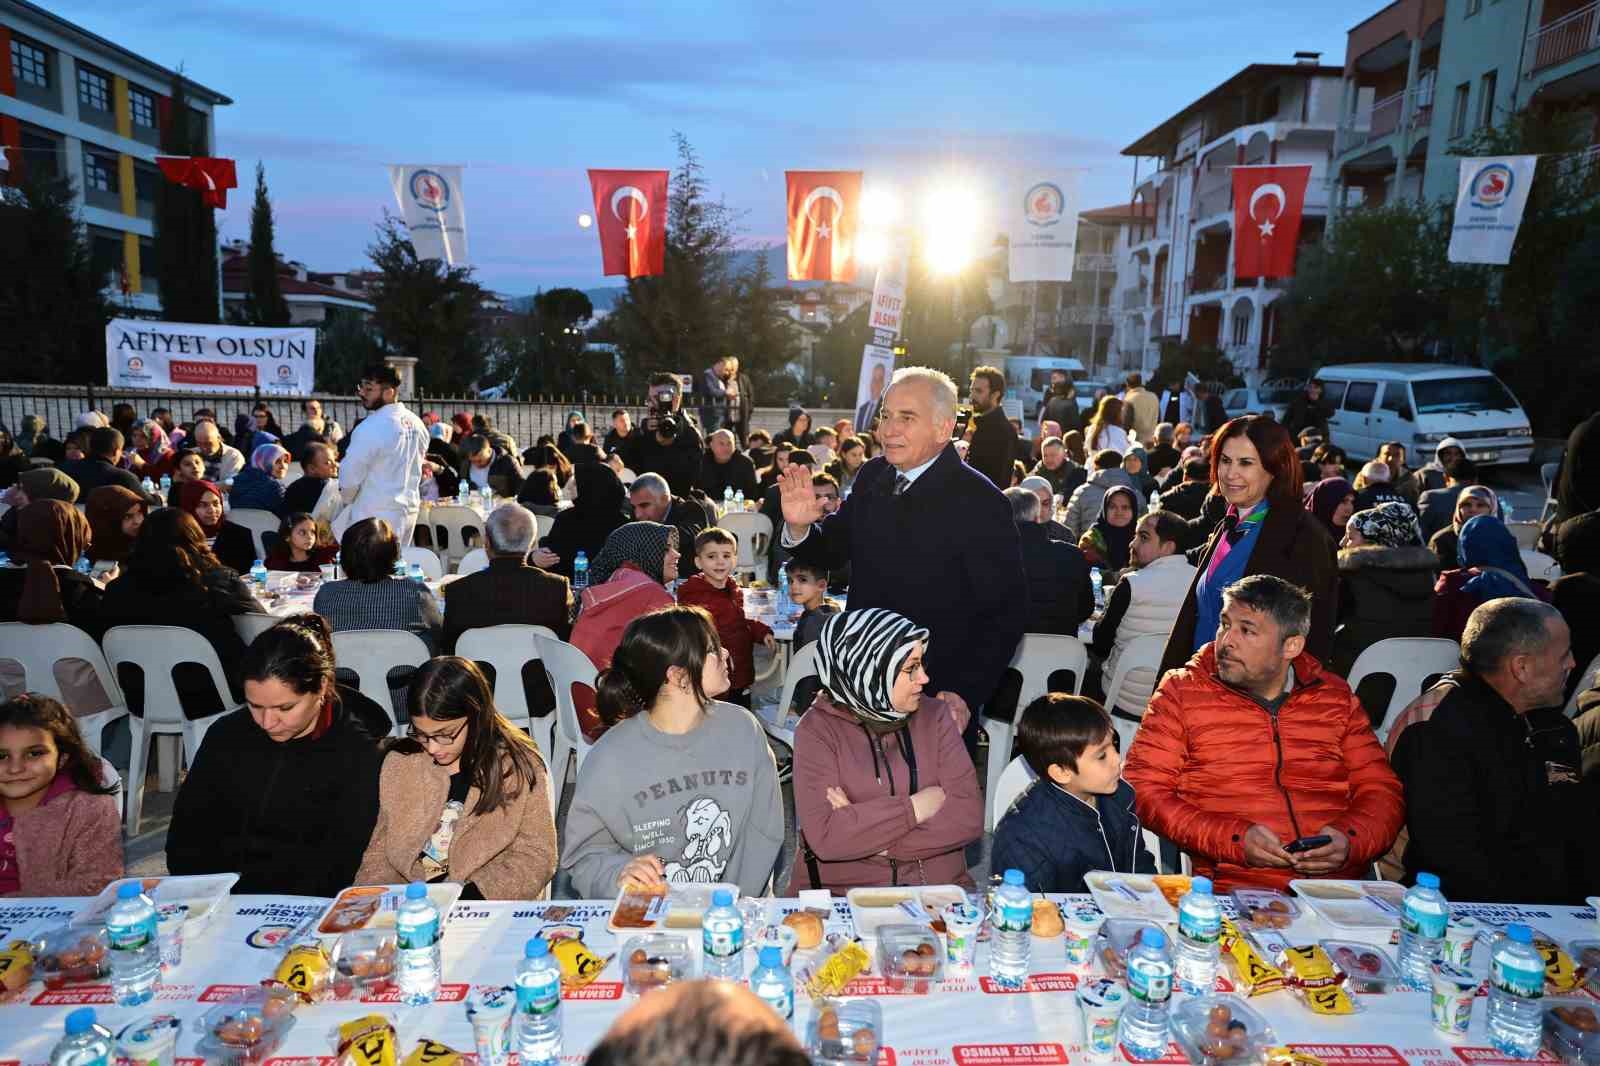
464	797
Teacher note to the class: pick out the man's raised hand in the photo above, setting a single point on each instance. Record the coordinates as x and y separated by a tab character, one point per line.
801	508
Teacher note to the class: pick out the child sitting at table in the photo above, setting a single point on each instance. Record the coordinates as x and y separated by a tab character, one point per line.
60	827
715	589
300	545
1078	816
808	589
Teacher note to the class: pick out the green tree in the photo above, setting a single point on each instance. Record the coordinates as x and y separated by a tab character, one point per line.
53	312
427	309
760	335
542	352
1181	358
345	347
837	356
186	231
265	305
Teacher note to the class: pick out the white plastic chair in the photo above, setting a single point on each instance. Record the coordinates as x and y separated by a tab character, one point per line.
475	560
370	654
566	666
547	522
1017	776
1411	661
432	569
776	721
1038	656
37	649
508	648
755	538
251	626
451	523
1527	534
156	650
1142	653
1586	681
1540	566
259	523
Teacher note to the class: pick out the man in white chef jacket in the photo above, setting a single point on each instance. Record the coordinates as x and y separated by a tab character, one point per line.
381	474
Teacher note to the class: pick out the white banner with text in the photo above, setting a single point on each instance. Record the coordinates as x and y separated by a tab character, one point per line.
141	354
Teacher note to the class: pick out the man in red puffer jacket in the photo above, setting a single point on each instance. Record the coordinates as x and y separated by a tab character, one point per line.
1252	747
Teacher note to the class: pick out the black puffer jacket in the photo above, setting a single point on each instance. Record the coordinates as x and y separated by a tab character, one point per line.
1384	592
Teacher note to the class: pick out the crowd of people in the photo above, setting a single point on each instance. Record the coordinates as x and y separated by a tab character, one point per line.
917	550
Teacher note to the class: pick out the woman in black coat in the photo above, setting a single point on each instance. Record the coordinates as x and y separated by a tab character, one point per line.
585	525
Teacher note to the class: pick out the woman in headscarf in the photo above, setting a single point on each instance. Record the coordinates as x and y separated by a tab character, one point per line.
585	525
51	535
152	454
1136	464
260	485
230	543
885	792
1332	501
1386	582
1473	500
627	579
13	460
40	483
115	514
1491	567
1106	543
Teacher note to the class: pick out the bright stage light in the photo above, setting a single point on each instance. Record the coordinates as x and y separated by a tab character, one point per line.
585	220
879	207
950	220
871	248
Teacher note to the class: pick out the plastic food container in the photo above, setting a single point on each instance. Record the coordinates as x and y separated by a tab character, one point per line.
1116	939
1218	1029
962	924
1082	925
246	1029
782	937
1572	1031
363	959
844	1033
1586	953
1459	936
909	957
149	1041
489	1012
1101	1001
70	955
1366	968
1450	999
655	960
1264	908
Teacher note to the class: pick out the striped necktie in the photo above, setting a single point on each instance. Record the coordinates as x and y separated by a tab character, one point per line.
901	483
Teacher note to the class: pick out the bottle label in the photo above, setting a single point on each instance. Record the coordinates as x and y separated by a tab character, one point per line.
1015	917
1516	981
409	936
1202	928
779	997
1149	984
1418	922
540	996
723	943
131	936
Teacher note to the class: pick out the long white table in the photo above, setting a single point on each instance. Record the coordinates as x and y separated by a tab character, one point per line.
963	1022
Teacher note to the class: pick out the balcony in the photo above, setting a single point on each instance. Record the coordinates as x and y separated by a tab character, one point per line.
1087	261
1214	202
1204	281
1582	165
1084	315
1386	115
1133	298
1562	39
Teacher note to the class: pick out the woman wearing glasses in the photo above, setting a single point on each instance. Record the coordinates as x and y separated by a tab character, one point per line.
464	797
285	790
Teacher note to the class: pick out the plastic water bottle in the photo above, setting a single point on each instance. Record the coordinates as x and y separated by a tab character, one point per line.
1199	926
416	929
1012	920
258	574
461	492
1424	913
86	1043
1098	583
727	499
5	559
338	565
772	983
538	1005
783	592
487	495
580	572
738	500
83	565
1143	1029
1516	984
722	938
166	484
135	950
147	486
414	572
400	569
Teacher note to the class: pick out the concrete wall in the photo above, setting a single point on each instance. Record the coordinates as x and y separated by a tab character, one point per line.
1474	45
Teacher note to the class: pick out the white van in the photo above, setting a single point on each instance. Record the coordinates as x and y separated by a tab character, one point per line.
1420	404
1028	378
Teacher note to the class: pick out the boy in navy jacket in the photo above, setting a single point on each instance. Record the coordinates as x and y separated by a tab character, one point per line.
1078	816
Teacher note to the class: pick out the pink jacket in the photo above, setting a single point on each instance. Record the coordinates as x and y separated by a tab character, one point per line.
876	839
69	846
607	610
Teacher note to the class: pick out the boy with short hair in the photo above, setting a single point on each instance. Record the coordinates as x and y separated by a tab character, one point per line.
1078	816
714	588
808	589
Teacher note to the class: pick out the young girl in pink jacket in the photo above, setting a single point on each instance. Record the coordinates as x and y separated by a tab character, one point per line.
60	830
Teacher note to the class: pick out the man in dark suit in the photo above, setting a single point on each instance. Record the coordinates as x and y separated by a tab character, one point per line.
487	466
867	413
994	439
929	537
580	447
99	466
510	592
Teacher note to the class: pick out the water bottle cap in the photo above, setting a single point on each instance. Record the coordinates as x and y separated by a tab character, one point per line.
416	890
722	898
1200	886
772	956
1014	877
1153	938
259	562
1519	932
537	948
80	1021
130	890
1426	880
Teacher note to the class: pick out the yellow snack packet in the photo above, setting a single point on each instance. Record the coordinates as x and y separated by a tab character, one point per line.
1287	1056
1254	973
432	1053
1312	974
367	1041
1561	973
306	970
579	965
843	966
16	965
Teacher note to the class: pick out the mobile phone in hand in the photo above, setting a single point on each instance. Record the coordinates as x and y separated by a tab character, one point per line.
1294	847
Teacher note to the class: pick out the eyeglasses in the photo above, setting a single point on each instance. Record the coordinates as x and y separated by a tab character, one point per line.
428	740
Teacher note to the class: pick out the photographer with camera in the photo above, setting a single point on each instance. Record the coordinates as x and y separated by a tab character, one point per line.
668	442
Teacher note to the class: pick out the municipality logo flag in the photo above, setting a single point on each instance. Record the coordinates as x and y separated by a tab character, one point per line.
434	210
1489	202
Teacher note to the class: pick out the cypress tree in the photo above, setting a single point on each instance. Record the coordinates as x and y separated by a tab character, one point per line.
266	306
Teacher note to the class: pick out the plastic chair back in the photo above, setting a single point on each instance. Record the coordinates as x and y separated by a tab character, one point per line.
1586	681
1038	655
755	538
432	569
251	626
1017	776
370	654
1412	662
451	523
475	560
777	721
546	522
566	665
259	523
509	648
1540	566
1141	656
37	649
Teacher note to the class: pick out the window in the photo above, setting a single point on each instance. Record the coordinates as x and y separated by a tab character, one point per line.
1395	399
1473	7
105	255
1359	398
1458	116
1333	393
1486	89
41	153
146	183
99	171
142	106
1462	394
1241	329
94	89
30	63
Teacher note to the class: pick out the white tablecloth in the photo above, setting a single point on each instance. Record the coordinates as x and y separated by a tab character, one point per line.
962	1023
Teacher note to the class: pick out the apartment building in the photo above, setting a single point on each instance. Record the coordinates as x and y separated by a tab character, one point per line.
1181	277
75	105
314	299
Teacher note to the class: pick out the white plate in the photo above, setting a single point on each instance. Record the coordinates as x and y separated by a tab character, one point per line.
201	893
682	909
1353	904
1129	896
374	907
871	908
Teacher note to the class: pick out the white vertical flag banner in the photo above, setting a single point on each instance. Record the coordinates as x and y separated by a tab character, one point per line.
889	294
434	210
1489	202
1043	227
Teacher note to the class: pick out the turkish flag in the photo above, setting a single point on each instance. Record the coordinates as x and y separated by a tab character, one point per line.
824	206
212	178
1267	204
630	210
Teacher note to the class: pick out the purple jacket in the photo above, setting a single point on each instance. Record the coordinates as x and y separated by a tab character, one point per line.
876	839
70	845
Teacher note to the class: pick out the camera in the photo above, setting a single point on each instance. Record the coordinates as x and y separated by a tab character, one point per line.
963	419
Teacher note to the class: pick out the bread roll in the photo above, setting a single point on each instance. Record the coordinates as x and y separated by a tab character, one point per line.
807	928
1046	919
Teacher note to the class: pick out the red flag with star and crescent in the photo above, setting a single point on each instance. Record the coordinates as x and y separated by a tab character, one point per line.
630	211
823	208
1267	204
211	178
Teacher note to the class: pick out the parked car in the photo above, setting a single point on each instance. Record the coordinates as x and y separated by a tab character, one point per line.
1420	404
1270	397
